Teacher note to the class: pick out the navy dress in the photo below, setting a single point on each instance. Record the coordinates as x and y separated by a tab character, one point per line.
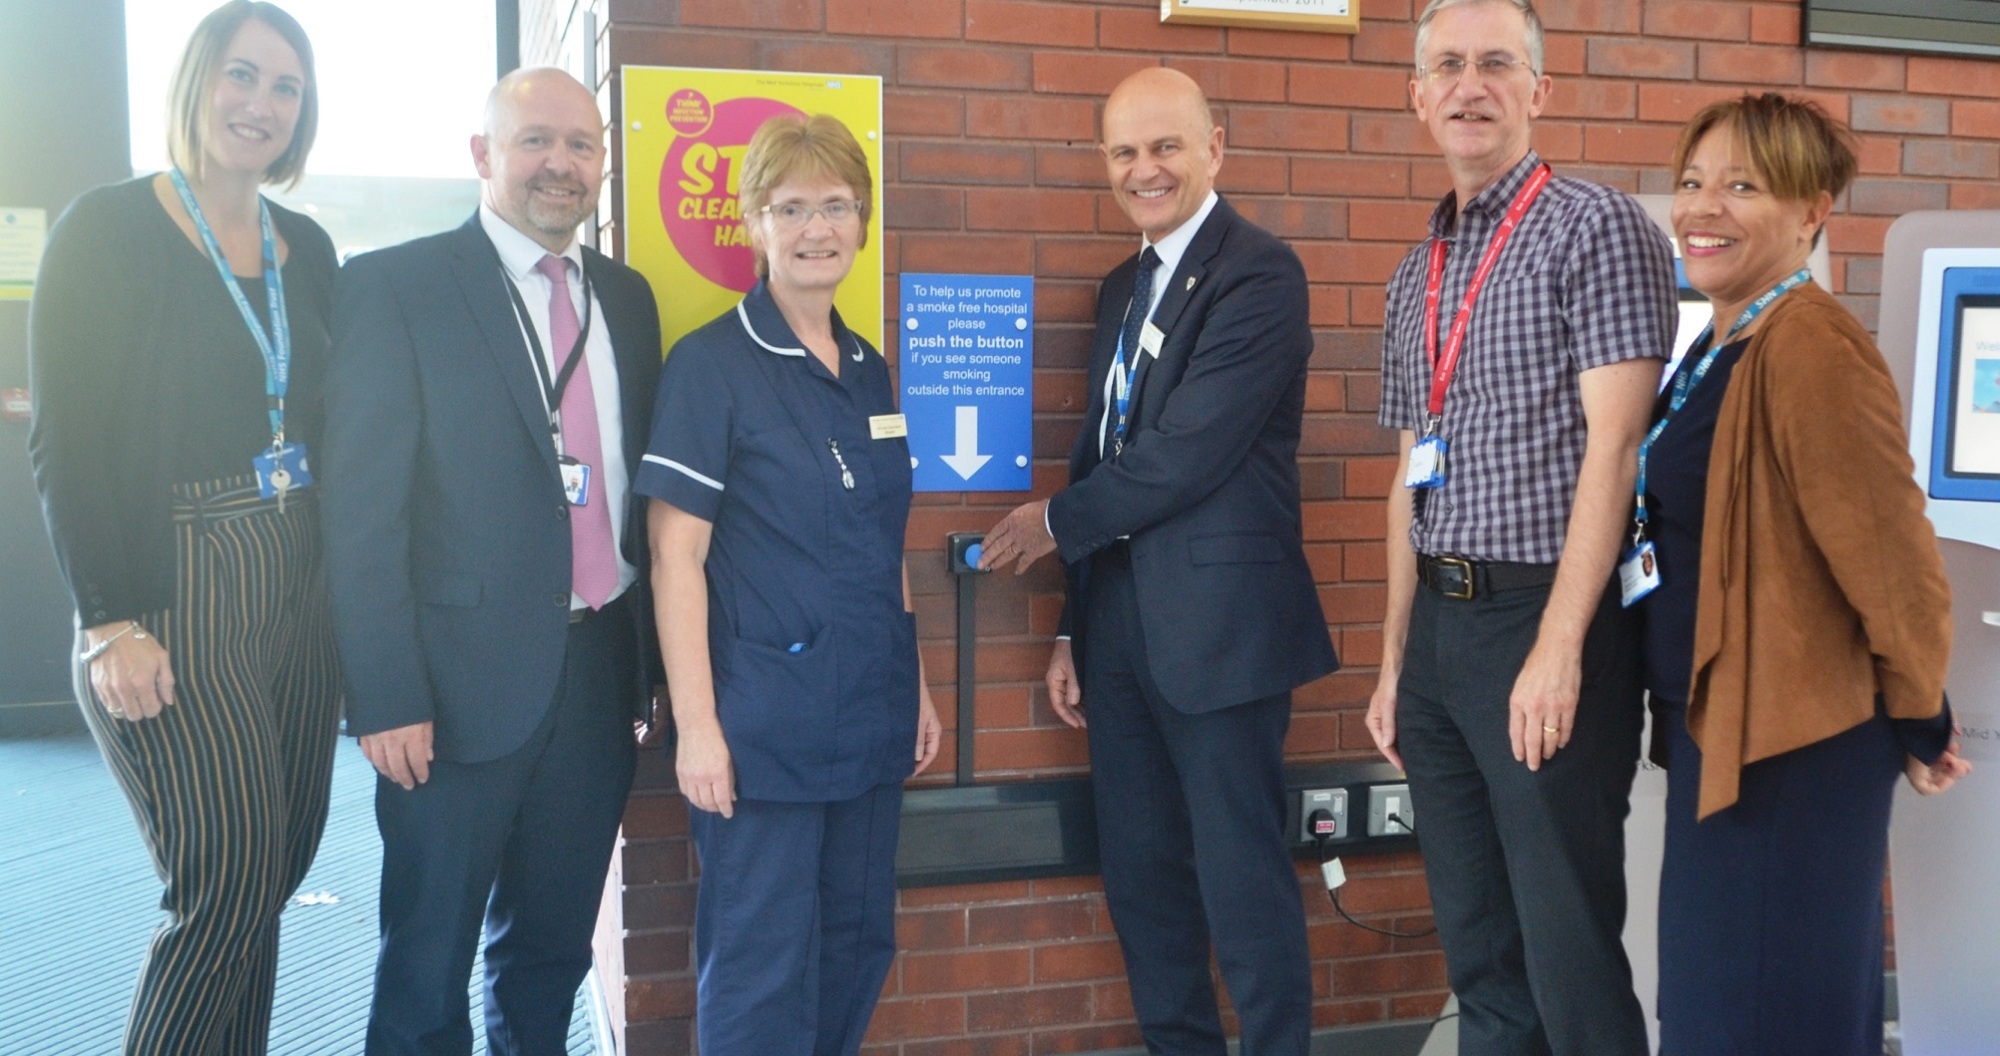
1771	928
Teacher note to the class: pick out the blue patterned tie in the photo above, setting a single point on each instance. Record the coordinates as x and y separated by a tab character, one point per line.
1128	337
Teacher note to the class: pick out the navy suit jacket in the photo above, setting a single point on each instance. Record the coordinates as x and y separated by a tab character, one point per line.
1208	484
447	533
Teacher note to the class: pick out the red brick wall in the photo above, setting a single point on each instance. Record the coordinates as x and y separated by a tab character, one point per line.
989	166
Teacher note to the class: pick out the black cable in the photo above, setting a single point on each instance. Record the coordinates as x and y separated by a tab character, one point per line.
1333	894
1334	897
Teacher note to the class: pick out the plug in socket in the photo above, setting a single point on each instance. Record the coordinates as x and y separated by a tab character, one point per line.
1331	800
1385	802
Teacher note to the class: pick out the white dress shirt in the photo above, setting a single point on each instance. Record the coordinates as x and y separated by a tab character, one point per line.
1170	250
519	256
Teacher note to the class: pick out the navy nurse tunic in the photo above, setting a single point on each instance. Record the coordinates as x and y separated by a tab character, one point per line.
814	659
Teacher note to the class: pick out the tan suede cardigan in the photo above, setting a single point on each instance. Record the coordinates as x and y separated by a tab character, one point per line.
1821	582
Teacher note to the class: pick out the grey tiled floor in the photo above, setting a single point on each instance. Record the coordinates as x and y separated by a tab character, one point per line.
78	901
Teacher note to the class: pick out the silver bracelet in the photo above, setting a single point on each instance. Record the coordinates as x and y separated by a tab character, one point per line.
131	627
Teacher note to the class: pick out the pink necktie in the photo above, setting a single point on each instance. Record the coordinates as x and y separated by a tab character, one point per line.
593	558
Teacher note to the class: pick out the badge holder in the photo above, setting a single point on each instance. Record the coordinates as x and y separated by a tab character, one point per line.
1639	569
280	470
575	480
1426	468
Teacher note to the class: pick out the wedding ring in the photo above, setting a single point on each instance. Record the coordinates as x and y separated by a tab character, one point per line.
1550	729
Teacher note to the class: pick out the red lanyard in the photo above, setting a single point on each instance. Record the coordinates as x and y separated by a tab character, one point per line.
1442	370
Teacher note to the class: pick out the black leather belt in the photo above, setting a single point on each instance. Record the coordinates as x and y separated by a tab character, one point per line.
1462	580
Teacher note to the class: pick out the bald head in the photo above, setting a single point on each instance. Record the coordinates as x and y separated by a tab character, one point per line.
525	87
1161	148
541	156
1163	86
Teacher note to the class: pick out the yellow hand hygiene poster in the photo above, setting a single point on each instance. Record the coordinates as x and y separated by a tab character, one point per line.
685	132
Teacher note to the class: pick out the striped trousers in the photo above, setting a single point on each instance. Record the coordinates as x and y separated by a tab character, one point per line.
229	786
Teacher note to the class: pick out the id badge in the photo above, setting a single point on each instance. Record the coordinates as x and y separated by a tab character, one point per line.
1151	338
575	481
1426	463
1638	573
281	469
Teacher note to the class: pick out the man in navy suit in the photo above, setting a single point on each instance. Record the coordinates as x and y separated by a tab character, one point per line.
1191	611
488	401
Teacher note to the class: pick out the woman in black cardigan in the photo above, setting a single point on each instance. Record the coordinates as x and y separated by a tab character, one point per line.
177	338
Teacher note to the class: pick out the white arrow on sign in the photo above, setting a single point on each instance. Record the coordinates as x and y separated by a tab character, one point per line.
966	460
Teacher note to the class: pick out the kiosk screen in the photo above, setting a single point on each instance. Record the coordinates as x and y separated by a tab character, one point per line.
1965	441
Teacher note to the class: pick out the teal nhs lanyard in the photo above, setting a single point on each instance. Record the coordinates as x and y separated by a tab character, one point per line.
276	346
1685	383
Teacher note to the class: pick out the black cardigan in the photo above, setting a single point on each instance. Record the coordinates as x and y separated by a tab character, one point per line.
144	377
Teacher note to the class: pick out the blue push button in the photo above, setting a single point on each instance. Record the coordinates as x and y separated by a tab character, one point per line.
972	554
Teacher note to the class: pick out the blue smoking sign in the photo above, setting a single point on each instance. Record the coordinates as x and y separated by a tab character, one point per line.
967	377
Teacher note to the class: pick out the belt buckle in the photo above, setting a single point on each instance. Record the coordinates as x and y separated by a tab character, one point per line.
1460	568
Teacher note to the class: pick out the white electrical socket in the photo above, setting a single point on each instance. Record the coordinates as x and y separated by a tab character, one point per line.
1385	801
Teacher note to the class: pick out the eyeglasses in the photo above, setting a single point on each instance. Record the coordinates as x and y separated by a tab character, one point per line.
1448	71
792	215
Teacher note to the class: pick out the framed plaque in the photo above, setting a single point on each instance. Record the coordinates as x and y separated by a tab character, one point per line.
1316	16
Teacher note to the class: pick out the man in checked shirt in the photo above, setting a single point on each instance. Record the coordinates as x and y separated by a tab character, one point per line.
1520	365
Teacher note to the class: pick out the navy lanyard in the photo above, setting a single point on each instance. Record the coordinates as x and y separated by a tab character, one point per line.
1685	382
552	389
276	347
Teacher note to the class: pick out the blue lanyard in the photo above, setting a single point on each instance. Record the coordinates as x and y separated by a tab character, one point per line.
1121	387
1685	382
276	347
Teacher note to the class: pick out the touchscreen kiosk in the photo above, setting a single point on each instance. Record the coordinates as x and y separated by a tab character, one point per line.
1955	393
1940	334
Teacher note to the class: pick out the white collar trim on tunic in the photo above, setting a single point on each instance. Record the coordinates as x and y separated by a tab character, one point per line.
744	316
754	336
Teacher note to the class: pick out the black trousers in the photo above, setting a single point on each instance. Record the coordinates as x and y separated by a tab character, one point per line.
1526	868
1190	822
229	786
520	843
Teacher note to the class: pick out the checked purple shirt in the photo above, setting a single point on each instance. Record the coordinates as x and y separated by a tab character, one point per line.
1586	281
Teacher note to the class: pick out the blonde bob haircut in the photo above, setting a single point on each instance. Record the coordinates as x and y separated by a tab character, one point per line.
792	146
194	83
1794	146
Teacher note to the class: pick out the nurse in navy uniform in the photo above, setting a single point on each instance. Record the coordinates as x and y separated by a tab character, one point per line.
782	487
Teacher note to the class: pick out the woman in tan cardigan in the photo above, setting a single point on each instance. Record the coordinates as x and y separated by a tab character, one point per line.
1797	639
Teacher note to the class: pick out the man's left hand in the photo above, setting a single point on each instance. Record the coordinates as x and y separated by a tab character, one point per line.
1542	712
1021	537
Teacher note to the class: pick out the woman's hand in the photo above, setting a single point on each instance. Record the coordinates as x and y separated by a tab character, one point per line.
707	775
132	678
1939	776
929	730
